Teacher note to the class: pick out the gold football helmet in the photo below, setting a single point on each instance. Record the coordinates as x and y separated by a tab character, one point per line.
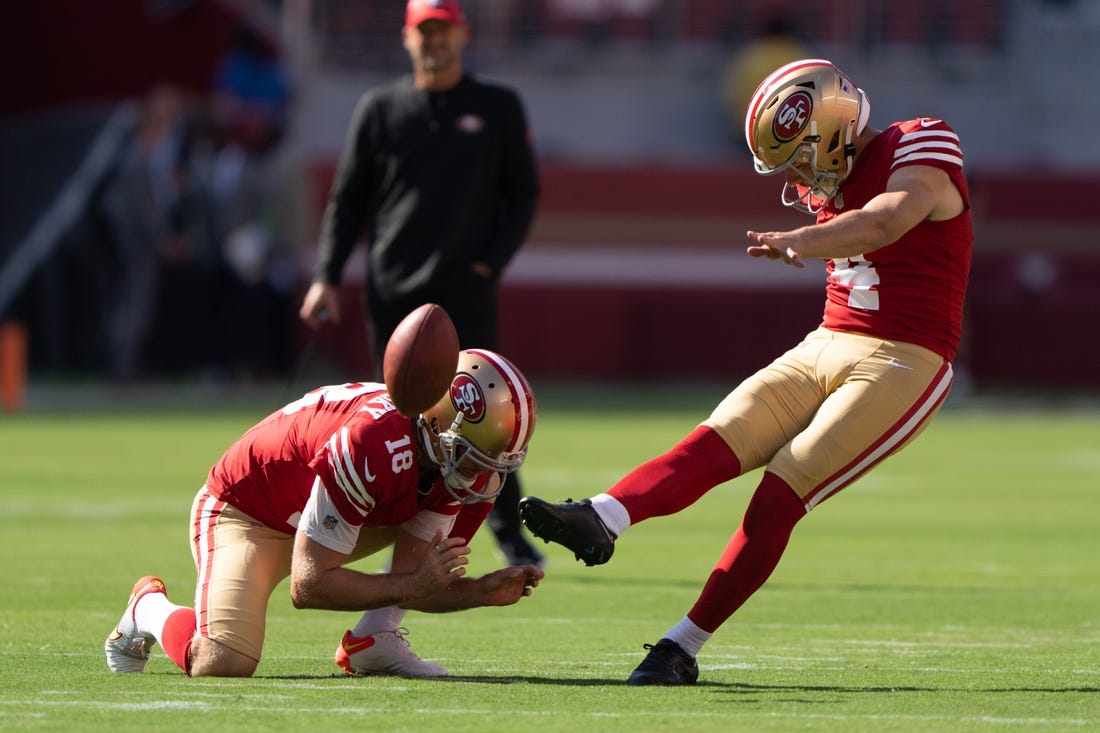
483	423
804	117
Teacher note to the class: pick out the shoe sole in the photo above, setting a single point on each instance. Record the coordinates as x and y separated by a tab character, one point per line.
351	671
649	681
343	660
402	675
540	519
667	665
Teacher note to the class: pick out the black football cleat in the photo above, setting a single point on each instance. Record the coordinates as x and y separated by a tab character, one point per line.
573	525
666	664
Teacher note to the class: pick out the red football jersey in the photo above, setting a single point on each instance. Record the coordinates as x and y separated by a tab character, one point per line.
349	435
911	290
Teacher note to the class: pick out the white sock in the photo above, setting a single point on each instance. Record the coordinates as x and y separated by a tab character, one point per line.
379	619
612	512
151	612
689	636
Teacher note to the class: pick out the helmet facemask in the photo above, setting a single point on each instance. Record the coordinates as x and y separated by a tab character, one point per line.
817	187
461	463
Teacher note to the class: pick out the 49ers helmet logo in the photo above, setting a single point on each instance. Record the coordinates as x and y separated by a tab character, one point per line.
467	398
792	116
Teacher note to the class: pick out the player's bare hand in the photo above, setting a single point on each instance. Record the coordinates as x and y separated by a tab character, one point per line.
320	304
443	562
769	244
506	586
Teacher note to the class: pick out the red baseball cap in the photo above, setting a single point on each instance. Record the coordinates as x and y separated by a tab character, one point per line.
449	11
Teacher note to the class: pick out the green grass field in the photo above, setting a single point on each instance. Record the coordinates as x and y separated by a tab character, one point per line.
957	588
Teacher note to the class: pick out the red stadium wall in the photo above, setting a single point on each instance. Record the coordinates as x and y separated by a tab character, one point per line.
1033	307
66	52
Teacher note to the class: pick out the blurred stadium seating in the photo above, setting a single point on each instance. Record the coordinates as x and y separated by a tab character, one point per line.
635	254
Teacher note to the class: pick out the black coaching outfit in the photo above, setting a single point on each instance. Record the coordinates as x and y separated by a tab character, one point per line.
436	181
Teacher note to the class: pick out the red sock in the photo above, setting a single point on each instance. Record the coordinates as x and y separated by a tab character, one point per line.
752	553
676	480
470	518
176	637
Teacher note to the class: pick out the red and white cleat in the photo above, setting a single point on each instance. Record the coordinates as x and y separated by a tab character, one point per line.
386	653
127	650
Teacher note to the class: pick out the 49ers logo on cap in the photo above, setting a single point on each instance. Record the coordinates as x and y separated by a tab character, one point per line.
467	397
470	123
791	117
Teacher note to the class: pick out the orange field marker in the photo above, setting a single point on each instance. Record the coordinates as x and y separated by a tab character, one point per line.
13	365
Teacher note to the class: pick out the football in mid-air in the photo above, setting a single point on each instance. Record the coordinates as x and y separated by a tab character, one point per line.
420	360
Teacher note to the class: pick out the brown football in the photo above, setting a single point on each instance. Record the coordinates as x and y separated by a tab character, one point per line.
420	360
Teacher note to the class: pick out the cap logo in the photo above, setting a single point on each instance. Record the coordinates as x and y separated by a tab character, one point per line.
467	398
470	124
792	116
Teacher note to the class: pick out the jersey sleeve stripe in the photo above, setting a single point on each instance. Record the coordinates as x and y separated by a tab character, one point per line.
954	159
344	472
928	145
923	134
354	481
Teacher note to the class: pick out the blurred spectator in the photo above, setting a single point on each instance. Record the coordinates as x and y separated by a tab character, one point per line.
776	45
201	212
187	337
143	206
260	205
255	197
252	91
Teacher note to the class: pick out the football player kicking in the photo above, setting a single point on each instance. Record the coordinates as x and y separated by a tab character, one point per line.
893	226
332	477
